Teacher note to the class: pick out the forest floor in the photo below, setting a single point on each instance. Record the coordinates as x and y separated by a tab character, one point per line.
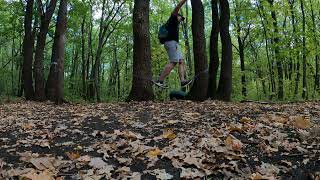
171	140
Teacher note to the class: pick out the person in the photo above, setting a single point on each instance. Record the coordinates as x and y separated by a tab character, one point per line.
173	48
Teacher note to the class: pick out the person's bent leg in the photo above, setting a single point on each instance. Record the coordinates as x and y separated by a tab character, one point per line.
182	70
166	71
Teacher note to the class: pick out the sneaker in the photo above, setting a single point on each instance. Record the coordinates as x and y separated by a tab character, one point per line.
160	84
186	83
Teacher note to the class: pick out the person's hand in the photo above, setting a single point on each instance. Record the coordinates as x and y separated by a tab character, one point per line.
178	7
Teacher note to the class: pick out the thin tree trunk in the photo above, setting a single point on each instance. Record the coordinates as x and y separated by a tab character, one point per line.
258	69
187	41
90	88
241	53
271	73
214	52
95	72
316	44
12	65
304	55
74	67
142	75
276	42
225	82
117	71
28	44
83	69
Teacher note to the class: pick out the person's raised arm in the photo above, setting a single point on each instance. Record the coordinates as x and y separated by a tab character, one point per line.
178	7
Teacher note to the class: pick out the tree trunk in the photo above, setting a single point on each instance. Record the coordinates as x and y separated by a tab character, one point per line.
199	88
12	65
214	52
142	75
28	43
83	67
187	41
276	42
225	82
316	44
74	67
304	55
241	46
90	88
271	72
117	71
45	19
55	82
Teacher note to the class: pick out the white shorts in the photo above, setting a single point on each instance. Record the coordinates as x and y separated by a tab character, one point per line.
174	51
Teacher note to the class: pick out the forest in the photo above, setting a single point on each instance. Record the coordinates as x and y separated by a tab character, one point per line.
252	50
159	89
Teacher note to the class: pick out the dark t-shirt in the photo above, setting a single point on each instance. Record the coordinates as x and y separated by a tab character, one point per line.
173	28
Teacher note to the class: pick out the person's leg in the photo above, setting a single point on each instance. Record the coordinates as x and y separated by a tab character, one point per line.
182	70
166	71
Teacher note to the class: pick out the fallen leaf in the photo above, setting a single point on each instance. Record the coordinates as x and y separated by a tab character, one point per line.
169	134
300	122
245	120
233	143
154	153
73	155
34	175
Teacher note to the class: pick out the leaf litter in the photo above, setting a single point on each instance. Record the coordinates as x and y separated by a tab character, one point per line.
171	140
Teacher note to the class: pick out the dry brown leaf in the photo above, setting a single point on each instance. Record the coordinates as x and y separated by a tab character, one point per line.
300	122
234	128
258	176
233	143
245	120
154	153
73	155
34	175
169	134
44	163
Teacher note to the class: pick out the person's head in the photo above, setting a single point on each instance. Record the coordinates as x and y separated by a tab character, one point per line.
180	18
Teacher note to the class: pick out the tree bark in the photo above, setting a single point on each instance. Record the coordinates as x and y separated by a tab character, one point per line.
28	43
142	75
45	18
225	82
199	88
187	41
276	42
316	43
214	52
83	65
55	81
304	55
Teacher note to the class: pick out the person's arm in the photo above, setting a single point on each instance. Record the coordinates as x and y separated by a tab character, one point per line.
178	7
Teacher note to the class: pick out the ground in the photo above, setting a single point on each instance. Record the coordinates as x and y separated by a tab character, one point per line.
170	140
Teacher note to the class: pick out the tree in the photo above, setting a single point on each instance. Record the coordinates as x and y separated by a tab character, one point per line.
45	18
108	23
243	31
316	43
276	42
304	55
28	43
225	82
199	88
54	87
214	52
142	75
